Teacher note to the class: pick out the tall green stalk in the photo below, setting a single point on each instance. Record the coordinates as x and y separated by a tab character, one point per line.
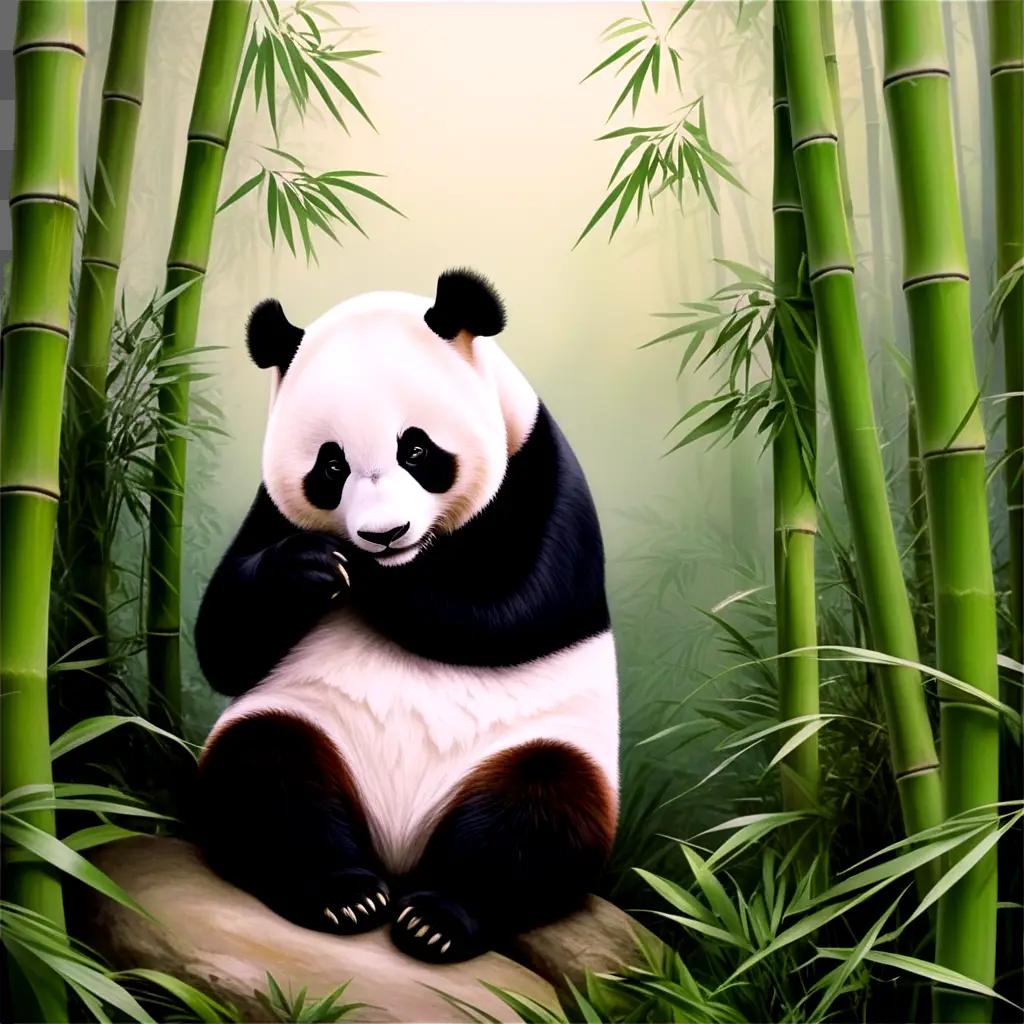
828	45
49	55
952	439
830	263
1006	44
920	555
208	137
880	321
793	461
90	348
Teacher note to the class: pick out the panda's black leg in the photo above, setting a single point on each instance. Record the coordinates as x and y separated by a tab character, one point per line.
521	842
277	815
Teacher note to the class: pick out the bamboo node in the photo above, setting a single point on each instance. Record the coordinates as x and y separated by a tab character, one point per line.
44	197
214	140
125	97
918	769
787	208
1009	66
946	275
44	492
810	140
35	325
185	265
101	262
954	449
834	268
171	633
925	72
49	44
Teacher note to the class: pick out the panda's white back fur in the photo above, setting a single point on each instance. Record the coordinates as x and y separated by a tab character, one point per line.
411	729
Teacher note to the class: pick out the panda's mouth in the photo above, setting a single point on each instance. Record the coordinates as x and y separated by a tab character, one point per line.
399	556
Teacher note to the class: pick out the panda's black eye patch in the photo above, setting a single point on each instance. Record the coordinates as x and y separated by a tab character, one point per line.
427	463
323	484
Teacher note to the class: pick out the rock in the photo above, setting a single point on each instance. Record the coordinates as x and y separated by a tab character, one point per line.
598	937
224	941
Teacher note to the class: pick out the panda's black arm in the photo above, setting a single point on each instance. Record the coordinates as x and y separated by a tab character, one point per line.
270	588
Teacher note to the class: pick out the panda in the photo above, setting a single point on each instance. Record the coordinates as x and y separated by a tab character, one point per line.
413	625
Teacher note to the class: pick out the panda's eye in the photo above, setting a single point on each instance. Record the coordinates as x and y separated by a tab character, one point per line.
415	454
333	469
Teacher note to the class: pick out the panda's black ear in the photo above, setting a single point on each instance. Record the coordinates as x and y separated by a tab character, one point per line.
273	341
465	301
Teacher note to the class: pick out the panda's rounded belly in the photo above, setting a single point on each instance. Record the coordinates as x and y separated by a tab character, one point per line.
411	729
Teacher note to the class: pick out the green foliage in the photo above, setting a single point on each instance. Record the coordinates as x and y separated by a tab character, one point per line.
290	58
45	954
735	326
294	46
312	200
302	1009
137	367
657	158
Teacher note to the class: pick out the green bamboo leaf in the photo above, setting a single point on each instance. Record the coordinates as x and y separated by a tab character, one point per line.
838	979
87	977
602	209
529	1010
807	925
54	852
963	864
202	1006
590	1015
620	52
677	896
715	423
286	156
712	931
713	890
924	969
247	186
343	87
804	733
351	186
295	90
98	835
675	67
271	83
622	132
325	96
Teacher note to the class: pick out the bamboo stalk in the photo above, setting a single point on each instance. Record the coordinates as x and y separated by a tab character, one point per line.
49	55
90	347
952	439
920	555
880	316
793	460
1006	44
830	262
208	137
828	45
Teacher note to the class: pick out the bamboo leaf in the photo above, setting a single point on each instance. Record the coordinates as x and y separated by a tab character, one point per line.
620	52
54	852
247	186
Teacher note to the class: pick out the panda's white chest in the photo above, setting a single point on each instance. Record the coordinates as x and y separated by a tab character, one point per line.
410	729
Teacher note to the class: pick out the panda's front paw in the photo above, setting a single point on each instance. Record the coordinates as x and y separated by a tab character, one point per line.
435	928
355	900
309	565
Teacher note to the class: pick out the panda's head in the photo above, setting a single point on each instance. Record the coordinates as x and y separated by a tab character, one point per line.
393	417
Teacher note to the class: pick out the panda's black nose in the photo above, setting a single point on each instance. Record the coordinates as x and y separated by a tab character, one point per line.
385	537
